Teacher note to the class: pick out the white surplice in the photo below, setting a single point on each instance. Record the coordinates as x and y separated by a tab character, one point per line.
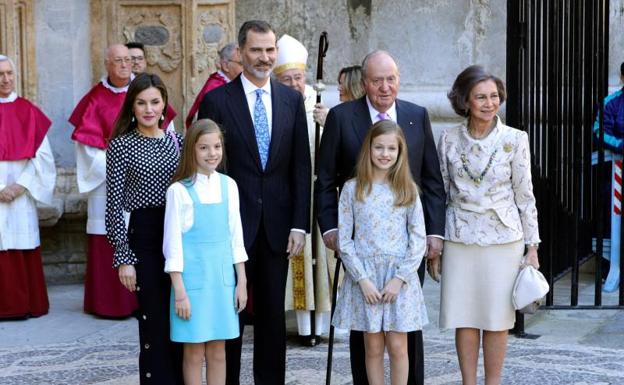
19	224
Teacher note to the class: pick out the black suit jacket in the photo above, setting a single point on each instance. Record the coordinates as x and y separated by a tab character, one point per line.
280	195
343	135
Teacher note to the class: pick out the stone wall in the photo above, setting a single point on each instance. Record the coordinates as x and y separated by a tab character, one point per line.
433	40
64	67
616	42
64	72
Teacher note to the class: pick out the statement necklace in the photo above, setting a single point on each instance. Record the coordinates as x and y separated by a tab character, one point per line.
477	178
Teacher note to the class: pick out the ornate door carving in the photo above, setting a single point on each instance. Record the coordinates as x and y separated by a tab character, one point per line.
181	40
17	40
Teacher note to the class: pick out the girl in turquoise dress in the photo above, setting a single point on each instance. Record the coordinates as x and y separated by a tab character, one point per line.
205	254
382	240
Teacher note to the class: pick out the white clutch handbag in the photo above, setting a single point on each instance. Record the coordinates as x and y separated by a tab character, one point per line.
530	287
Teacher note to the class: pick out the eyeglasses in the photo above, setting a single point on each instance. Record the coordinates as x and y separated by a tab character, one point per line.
240	63
119	60
135	59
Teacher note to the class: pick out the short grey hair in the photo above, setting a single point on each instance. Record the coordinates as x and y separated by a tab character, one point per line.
227	51
11	62
372	54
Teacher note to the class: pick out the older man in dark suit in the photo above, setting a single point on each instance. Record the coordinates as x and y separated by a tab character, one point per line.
345	129
268	156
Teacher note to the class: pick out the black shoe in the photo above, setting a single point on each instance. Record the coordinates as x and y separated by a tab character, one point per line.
310	340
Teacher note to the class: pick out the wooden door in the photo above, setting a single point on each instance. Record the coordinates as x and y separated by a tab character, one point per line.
181	40
17	41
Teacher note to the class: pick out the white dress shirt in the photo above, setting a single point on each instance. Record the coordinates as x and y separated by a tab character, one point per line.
391	113
179	217
250	93
374	115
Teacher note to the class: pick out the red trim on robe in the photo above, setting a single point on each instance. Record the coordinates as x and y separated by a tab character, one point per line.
214	80
95	115
170	114
22	129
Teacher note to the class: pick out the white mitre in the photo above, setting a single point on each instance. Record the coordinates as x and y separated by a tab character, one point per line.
290	54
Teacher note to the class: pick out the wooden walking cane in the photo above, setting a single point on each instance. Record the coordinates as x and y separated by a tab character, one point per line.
330	348
319	87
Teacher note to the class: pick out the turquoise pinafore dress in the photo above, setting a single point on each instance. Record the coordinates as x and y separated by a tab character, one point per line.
208	274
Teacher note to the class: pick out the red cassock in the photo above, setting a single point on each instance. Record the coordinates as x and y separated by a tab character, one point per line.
94	118
23	290
95	115
214	80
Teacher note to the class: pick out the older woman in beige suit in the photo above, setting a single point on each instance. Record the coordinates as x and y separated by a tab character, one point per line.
491	220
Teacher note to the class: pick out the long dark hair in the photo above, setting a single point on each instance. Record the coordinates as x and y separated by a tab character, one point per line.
187	168
141	82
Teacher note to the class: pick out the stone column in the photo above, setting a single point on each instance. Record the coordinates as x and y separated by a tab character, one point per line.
63	63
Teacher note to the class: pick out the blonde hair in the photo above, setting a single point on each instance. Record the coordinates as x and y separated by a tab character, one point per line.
399	176
352	82
187	168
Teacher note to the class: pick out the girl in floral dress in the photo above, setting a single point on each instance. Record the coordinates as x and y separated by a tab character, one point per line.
381	232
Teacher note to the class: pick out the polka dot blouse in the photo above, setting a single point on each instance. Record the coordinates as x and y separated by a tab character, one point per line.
139	170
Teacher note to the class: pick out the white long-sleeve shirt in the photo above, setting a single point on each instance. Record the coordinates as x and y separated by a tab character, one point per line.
179	217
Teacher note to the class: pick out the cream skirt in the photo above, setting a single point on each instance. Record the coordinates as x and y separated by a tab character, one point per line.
477	282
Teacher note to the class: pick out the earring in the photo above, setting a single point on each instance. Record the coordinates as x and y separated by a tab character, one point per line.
132	120
162	117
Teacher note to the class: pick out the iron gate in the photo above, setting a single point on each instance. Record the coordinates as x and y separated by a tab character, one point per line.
557	71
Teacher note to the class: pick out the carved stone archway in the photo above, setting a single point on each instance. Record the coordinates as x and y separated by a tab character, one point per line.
17	41
181	39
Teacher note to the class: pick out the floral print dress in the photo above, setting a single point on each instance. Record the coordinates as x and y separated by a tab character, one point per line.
379	241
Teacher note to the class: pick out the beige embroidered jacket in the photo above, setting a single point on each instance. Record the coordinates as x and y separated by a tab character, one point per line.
492	207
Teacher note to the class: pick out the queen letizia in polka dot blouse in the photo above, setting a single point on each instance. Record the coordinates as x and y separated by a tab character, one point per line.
138	172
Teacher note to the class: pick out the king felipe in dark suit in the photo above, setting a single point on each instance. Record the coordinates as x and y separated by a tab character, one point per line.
345	129
273	173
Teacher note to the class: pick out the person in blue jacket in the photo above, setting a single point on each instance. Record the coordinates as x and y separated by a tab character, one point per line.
613	141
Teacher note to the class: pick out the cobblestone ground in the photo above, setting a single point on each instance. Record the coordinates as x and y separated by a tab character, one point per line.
70	347
98	360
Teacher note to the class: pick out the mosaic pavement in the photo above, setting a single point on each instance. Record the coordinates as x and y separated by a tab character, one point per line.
70	347
110	361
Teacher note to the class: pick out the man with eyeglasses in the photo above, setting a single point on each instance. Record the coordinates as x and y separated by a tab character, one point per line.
345	129
230	66
136	51
93	119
